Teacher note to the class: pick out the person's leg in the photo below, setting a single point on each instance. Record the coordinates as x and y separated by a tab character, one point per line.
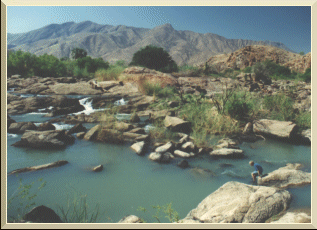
254	174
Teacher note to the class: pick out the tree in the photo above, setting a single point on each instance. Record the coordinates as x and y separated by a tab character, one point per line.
154	57
78	53
302	53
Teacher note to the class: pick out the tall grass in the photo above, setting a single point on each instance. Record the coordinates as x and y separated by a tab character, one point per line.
155	89
112	73
303	120
280	107
77	211
79	72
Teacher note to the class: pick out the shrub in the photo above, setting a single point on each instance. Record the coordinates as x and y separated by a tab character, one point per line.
154	58
191	71
303	120
270	69
79	72
111	73
91	64
78	53
280	107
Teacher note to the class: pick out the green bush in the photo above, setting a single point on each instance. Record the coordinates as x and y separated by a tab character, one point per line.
156	58
78	53
112	73
280	107
303	120
269	69
239	106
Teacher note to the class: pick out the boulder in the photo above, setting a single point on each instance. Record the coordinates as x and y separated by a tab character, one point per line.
80	135
279	129
236	202
288	176
139	147
293	217
130	219
138	131
39	167
21	127
227	143
92	133
306	136
46	126
189	147
123	127
42	214
155	156
180	153
248	128
134	118
80	88
202	171
184	139
51	139
76	129
183	164
167	157
164	148
177	125
10	121
227	153
98	168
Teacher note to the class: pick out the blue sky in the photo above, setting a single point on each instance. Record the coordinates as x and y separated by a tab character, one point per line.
290	25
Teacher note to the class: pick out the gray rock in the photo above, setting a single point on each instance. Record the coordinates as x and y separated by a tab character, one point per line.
227	143
42	214
39	167
80	135
76	129
164	148
183	154
130	219
189	147
229	153
98	168
177	125
184	139
280	129
52	139
288	176
46	126
306	135
167	157
183	164
248	128
92	133
236	202
139	147
293	217
155	156
21	127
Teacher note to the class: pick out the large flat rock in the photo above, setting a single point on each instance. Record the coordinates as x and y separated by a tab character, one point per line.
236	202
81	88
280	129
288	176
177	125
227	153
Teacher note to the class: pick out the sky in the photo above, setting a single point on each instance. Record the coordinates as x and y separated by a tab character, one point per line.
290	25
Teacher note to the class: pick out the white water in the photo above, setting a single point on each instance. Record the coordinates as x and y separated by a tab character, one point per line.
49	108
120	102
88	106
11	135
62	126
147	128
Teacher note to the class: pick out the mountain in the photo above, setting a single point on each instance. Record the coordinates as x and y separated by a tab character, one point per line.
249	55
114	43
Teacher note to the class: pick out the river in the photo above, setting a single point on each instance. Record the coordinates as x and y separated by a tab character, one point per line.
129	181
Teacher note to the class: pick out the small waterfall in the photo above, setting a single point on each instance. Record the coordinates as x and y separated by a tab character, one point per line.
88	106
120	102
62	126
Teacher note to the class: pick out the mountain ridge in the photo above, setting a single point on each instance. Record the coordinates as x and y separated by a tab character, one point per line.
120	42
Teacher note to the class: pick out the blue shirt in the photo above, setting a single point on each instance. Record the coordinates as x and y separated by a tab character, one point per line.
258	167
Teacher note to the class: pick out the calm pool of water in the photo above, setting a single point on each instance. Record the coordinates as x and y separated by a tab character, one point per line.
129	181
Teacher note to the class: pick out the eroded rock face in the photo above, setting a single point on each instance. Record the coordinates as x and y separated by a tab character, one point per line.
236	202
285	177
52	139
280	129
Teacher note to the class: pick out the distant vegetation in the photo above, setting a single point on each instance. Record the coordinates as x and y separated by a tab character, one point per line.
156	58
28	65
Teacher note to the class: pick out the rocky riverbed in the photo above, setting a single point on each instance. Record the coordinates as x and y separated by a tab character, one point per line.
57	99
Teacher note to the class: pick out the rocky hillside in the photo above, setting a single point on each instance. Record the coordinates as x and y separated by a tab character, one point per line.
249	55
121	42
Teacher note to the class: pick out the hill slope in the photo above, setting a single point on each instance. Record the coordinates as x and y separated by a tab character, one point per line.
121	42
